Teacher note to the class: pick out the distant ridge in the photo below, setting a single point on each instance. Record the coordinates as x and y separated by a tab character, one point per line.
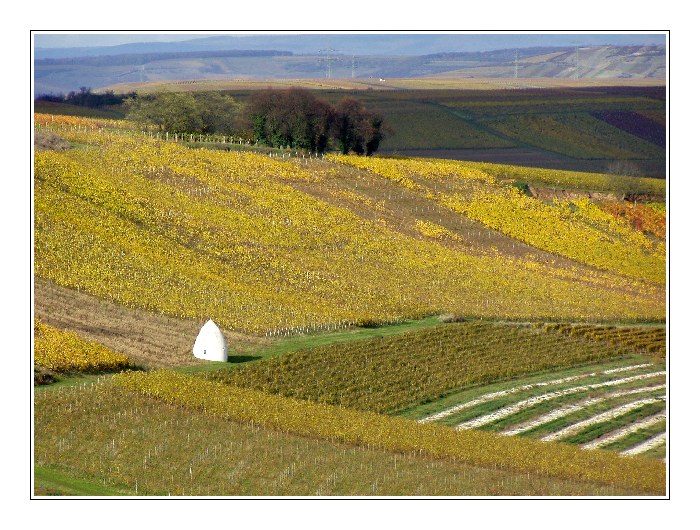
361	44
61	75
143	58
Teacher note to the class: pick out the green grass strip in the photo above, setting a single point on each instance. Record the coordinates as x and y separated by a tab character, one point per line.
656	452
475	391
592	432
315	340
637	437
50	482
546	407
575	417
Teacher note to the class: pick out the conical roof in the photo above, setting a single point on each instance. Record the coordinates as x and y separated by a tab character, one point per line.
210	343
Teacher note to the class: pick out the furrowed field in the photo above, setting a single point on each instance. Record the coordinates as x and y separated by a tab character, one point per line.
396	325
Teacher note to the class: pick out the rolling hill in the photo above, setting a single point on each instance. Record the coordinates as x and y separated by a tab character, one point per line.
361	297
131	64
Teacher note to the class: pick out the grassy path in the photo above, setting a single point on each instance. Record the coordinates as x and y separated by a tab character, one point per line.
49	481
279	347
302	342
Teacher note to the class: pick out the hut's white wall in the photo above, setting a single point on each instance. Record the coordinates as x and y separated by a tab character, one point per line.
210	343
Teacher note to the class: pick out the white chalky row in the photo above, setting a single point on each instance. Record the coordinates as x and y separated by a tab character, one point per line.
599	418
624	431
494	395
655	441
520	405
565	410
512	409
625	368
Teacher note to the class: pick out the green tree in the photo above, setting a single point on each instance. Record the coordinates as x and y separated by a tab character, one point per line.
293	117
297	118
357	129
218	112
174	112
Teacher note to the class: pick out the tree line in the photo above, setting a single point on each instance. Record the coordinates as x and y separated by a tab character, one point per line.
297	118
293	118
185	112
85	97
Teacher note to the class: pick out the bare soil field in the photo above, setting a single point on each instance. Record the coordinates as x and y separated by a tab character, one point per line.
426	83
149	339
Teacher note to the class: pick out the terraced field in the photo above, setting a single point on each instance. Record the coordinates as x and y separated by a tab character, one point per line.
616	407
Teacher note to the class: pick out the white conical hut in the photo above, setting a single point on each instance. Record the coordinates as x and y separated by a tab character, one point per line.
210	344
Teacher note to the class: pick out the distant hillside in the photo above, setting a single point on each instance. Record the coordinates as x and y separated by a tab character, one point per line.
62	75
589	62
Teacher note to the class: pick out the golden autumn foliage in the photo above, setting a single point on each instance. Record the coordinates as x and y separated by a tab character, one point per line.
224	235
577	229
436	231
63	351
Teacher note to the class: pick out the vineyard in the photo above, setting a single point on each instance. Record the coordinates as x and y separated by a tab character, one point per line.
151	226
395	373
135	445
576	135
62	351
620	408
396	325
390	433
618	185
583	124
578	229
430	126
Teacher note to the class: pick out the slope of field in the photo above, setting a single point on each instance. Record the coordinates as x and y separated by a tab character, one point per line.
567	181
393	434
576	135
582	128
86	436
429	126
578	229
199	234
395	373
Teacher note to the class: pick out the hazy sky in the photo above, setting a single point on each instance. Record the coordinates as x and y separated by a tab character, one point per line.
499	40
65	40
